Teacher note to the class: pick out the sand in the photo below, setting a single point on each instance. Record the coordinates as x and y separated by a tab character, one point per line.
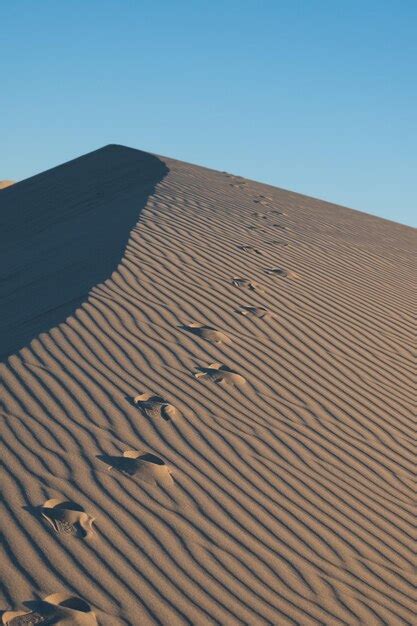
208	393
6	183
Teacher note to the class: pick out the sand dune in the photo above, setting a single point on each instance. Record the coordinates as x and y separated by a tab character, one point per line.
203	423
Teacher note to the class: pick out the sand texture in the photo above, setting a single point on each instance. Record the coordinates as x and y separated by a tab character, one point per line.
208	391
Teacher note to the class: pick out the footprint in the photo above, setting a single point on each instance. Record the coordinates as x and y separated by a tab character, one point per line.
259	312
206	332
67	518
150	468
71	609
124	464
245	283
261	199
24	618
220	374
147	467
57	608
248	248
259	229
154	407
279	271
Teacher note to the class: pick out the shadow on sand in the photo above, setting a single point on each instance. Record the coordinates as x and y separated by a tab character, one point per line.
64	231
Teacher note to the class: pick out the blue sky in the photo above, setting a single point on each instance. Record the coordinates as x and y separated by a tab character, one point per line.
316	96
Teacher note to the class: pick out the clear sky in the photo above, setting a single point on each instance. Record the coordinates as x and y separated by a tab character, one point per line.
316	96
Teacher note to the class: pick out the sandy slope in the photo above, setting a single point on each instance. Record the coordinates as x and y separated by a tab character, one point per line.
284	490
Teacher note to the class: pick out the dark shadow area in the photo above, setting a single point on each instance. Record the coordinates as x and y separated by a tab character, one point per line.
129	465
37	510
39	606
209	370
64	231
123	464
199	331
151	458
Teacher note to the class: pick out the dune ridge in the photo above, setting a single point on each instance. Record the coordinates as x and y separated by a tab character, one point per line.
287	498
